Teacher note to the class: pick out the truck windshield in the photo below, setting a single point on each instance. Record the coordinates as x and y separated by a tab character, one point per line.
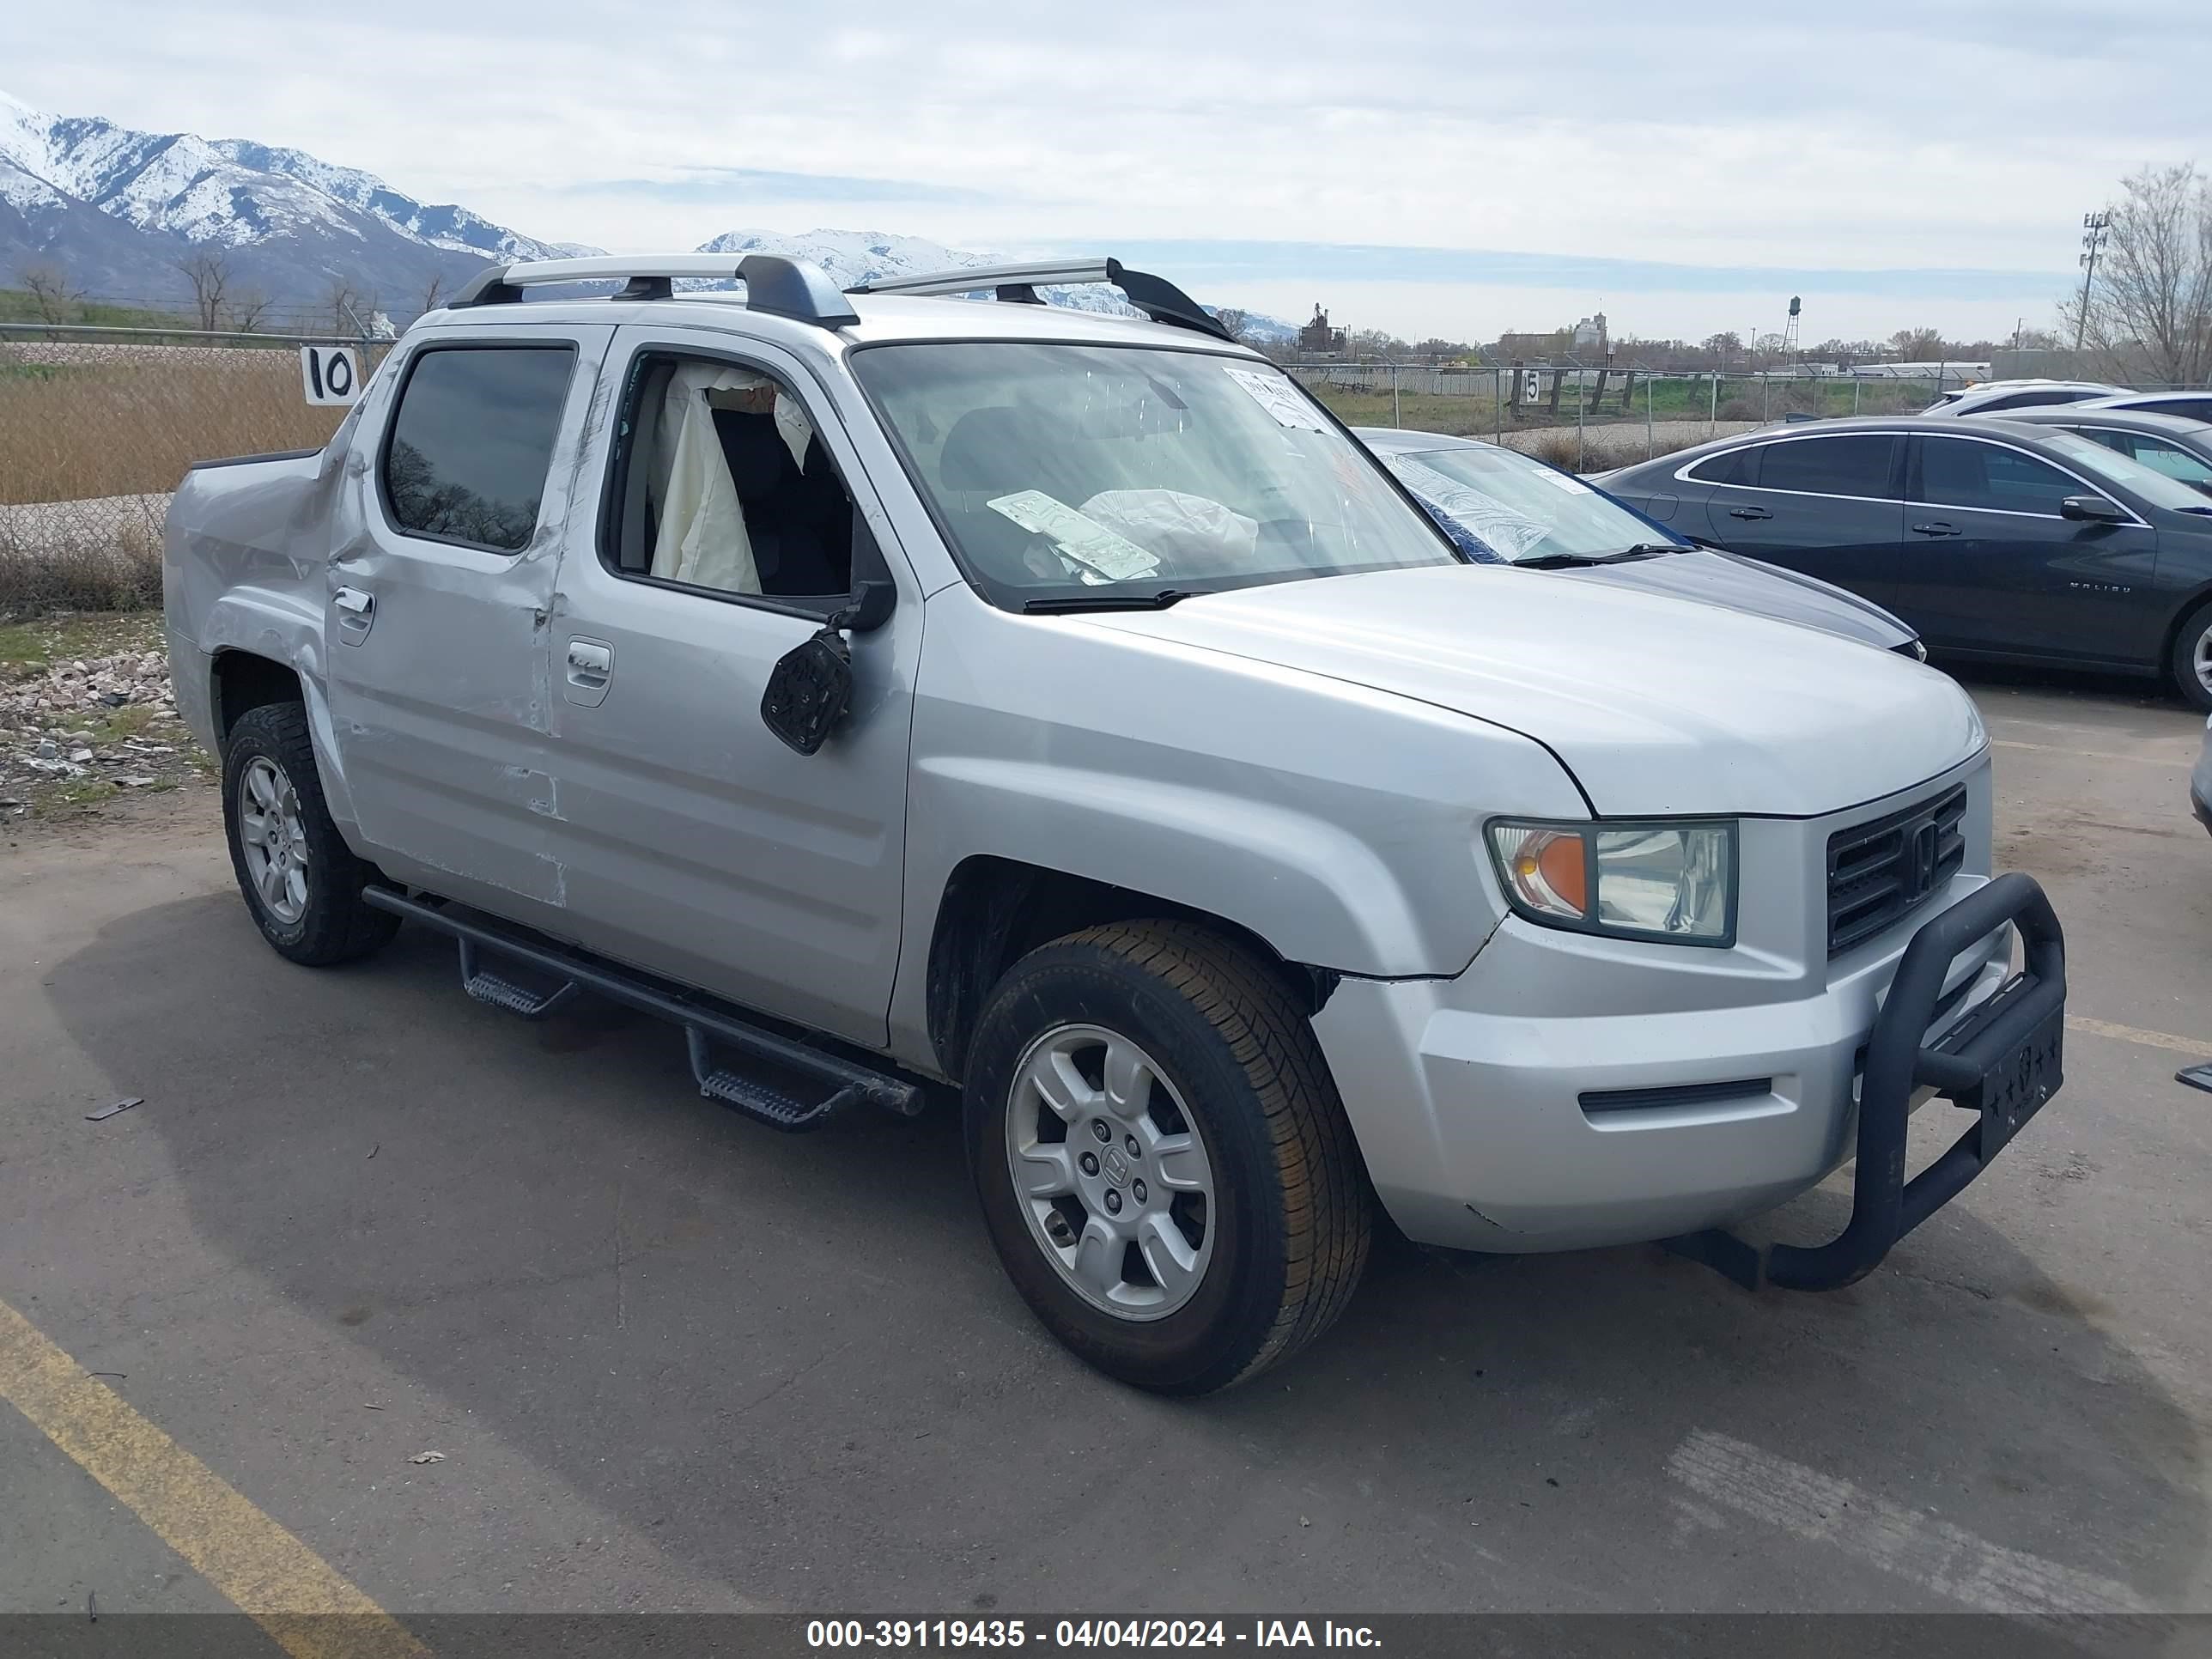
1064	471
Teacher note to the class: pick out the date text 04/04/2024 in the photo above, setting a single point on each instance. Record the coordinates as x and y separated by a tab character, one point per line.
1085	1633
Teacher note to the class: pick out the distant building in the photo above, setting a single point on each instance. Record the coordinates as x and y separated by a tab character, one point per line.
1586	342
1318	339
1589	336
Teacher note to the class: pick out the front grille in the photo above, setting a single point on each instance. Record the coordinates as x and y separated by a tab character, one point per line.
1882	870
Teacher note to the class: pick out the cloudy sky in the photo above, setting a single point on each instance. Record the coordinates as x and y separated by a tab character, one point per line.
1451	167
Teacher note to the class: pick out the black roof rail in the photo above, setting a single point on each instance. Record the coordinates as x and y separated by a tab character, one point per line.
1156	297
774	286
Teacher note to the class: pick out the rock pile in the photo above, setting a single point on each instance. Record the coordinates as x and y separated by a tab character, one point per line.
65	729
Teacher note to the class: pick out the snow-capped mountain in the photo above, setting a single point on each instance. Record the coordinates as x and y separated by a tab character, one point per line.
853	257
117	209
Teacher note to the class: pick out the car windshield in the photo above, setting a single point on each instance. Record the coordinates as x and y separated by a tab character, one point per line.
2109	465
1502	506
1089	473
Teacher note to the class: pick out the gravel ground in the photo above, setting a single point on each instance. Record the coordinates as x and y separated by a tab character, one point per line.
87	716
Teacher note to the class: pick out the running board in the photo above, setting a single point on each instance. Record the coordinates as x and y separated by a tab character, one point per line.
841	1082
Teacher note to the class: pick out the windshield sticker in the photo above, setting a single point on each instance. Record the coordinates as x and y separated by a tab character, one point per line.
1087	542
1275	394
1496	526
1562	481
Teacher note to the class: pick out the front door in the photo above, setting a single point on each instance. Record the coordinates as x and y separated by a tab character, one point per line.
1827	505
448	548
734	519
1991	565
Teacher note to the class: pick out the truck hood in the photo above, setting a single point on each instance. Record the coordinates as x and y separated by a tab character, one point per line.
1657	705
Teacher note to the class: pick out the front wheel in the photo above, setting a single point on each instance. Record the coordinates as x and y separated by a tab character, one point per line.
300	879
2192	657
1163	1164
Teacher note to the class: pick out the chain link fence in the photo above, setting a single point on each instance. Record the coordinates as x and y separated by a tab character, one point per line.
98	424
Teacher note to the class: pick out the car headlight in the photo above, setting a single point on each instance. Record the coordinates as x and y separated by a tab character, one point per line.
1668	880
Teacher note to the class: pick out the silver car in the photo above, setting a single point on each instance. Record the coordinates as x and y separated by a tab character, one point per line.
902	694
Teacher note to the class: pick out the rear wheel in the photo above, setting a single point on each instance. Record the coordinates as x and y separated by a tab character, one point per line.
1163	1164
300	881
2192	657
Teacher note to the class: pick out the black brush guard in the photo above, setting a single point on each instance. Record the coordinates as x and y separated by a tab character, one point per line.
2002	1062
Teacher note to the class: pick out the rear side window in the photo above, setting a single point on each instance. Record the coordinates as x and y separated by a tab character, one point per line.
1856	465
1733	466
472	441
1960	472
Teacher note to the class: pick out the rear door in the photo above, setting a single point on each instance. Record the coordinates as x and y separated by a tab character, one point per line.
1826	504
1991	565
450	531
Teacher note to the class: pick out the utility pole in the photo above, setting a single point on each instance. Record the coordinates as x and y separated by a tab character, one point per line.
2093	226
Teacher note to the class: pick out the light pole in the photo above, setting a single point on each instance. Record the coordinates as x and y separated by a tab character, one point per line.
2093	226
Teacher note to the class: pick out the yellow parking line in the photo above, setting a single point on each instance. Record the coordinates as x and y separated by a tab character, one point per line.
307	1608
2105	1028
2180	763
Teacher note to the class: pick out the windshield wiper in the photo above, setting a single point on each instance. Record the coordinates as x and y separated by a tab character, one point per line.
1159	599
1560	561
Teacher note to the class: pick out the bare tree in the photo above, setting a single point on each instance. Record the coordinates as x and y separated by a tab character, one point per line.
349	307
51	292
434	295
1230	319
248	311
2148	308
1918	345
208	269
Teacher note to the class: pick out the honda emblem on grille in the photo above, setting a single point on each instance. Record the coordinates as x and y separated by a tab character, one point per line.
1919	872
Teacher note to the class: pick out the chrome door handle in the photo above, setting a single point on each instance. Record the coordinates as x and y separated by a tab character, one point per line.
356	612
591	671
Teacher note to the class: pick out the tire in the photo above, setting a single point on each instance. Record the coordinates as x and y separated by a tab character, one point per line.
2191	665
312	913
1281	1235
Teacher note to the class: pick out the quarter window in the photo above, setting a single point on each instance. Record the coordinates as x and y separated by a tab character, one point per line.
472	442
1960	472
1856	465
1733	466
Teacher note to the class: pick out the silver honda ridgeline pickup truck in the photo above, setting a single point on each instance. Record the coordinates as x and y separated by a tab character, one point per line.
894	691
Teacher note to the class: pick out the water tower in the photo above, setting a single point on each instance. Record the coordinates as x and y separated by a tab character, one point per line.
1789	329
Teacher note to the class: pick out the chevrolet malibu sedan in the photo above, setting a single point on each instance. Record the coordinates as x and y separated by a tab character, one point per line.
1500	506
1994	539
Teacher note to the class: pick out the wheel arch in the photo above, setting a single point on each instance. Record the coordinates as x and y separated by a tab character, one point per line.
241	681
994	910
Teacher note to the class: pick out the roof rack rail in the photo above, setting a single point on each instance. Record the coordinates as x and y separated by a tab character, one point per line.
773	285
1157	298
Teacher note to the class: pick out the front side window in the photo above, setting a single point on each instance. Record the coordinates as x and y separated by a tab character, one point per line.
2159	456
1856	464
1960	472
724	484
2102	467
1058	471
472	441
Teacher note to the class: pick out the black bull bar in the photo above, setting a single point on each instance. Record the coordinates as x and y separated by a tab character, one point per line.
2002	1062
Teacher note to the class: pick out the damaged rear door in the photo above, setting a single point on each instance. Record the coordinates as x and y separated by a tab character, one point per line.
439	590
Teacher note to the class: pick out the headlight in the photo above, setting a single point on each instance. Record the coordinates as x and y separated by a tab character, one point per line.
1671	881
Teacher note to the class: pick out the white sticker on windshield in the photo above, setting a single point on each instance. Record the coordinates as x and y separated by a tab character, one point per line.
1087	542
1275	394
1561	481
1504	530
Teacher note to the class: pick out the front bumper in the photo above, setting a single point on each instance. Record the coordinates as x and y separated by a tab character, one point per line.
1522	1132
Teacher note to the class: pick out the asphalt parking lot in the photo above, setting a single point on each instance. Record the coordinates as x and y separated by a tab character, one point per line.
676	1361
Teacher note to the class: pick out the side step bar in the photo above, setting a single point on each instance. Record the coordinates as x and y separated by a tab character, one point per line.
707	1025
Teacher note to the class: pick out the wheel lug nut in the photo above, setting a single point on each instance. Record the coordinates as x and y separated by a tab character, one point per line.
1089	1163
1112	1202
1099	1128
1137	1190
1130	1142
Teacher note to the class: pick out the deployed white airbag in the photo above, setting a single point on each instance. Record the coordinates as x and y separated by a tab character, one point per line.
1188	533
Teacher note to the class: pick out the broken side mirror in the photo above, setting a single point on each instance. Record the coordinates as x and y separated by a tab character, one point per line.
811	687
